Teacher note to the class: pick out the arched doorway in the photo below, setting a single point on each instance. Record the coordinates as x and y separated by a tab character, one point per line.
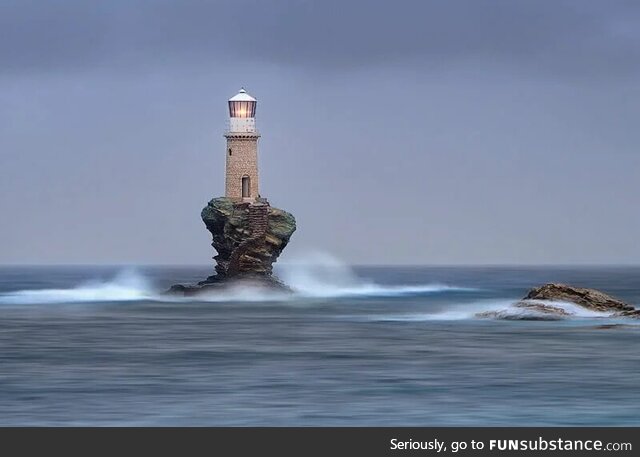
246	187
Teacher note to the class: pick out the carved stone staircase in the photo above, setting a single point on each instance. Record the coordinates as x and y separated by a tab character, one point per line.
258	223
258	219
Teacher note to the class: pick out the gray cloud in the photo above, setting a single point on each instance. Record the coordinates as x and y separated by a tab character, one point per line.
396	132
565	38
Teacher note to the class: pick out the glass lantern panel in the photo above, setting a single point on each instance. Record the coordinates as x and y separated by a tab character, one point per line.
242	109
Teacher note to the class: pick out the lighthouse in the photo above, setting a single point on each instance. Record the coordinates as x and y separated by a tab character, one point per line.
247	233
241	181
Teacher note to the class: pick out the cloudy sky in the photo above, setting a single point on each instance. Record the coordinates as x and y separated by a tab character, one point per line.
404	132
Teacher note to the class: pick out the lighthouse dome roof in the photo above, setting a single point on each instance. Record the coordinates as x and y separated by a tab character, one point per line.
242	96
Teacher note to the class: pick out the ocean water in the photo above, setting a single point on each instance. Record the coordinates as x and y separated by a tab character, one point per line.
351	346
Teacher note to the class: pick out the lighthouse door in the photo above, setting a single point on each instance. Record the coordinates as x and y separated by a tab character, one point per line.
245	187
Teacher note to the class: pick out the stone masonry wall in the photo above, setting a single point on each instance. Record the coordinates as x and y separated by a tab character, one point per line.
242	160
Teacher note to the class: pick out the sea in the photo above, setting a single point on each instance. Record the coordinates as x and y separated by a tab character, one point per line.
350	346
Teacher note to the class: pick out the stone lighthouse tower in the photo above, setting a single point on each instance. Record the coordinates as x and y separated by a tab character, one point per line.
241	182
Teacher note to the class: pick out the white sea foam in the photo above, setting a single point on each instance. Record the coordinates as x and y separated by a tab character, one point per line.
318	275
462	311
571	310
324	276
312	276
503	309
127	285
575	310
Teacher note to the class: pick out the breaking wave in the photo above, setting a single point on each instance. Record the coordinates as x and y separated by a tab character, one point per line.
463	311
566	310
323	276
496	309
127	285
314	276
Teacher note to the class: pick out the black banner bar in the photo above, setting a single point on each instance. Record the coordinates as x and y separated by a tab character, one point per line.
445	441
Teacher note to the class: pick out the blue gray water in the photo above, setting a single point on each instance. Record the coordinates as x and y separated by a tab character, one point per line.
368	346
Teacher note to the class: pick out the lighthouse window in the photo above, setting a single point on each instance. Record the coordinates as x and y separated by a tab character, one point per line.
230	152
246	187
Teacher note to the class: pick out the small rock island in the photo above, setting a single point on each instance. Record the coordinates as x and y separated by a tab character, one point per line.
540	304
248	233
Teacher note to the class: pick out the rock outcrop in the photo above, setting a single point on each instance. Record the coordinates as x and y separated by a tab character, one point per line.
587	298
535	305
248	237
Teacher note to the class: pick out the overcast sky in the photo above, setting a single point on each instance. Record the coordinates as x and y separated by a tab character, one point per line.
405	132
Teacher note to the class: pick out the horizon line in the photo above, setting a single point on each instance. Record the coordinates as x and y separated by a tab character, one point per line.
399	265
